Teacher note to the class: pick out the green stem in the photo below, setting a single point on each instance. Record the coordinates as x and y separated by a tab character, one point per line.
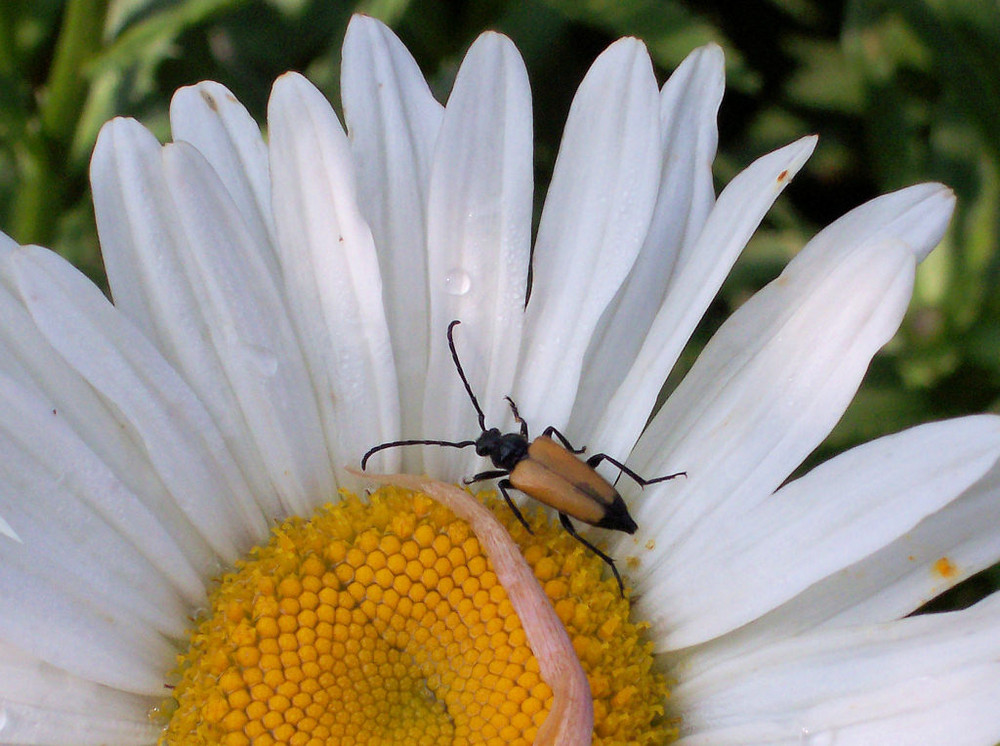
42	157
67	89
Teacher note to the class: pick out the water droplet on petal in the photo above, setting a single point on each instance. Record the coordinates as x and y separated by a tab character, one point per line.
457	282
262	359
819	738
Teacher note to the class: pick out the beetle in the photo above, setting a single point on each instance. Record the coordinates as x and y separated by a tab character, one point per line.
547	469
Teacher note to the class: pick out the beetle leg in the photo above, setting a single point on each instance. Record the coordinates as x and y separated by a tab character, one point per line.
550	431
571	530
484	475
597	458
517	418
503	484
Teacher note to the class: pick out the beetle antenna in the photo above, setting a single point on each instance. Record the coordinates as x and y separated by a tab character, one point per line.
395	443
461	373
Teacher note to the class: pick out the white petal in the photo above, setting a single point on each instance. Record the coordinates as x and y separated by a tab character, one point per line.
689	103
393	122
60	621
943	549
136	228
142	227
595	219
27	358
266	382
44	705
737	214
331	272
76	488
74	592
65	544
209	117
927	679
839	514
217	313
778	375
152	402
479	225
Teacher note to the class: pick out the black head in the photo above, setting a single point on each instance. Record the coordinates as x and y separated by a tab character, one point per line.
505	450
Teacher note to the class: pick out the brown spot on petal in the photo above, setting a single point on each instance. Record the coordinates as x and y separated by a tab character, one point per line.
209	100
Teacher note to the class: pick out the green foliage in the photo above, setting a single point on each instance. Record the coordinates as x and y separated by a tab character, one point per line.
900	91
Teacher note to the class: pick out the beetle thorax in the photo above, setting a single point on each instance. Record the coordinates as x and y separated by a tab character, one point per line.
503	449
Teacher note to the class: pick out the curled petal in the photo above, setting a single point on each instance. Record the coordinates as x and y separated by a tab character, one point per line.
571	719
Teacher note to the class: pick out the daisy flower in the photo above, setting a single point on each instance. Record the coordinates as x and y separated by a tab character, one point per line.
185	558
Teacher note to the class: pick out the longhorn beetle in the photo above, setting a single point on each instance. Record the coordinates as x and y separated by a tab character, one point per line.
545	470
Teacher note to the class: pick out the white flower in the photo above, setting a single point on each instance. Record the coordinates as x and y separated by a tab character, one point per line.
280	308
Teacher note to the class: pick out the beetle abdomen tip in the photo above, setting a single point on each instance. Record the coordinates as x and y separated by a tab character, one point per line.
617	517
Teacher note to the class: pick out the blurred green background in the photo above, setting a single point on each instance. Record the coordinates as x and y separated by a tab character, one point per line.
900	91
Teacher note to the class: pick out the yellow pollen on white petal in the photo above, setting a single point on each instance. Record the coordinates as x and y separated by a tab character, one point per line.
381	621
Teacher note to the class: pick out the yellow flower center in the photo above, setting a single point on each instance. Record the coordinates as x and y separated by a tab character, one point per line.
383	622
